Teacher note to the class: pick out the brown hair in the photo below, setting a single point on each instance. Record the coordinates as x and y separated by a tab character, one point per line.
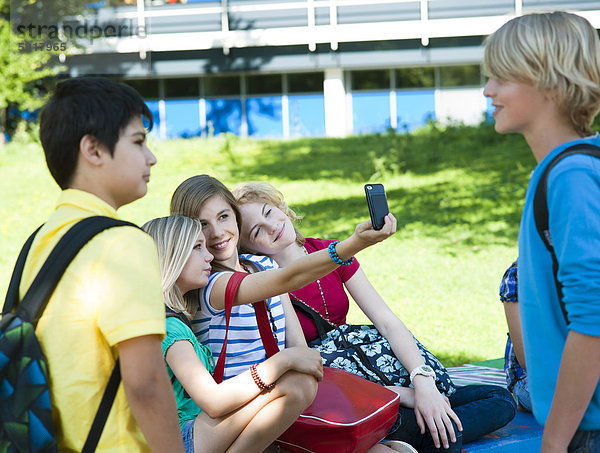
191	194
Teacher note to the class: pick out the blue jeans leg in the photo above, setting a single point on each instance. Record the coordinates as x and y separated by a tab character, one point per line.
585	442
521	393
480	408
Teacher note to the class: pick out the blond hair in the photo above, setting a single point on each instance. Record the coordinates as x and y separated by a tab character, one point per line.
263	192
557	52
175	237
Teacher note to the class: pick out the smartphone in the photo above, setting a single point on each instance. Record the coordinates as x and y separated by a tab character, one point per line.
377	202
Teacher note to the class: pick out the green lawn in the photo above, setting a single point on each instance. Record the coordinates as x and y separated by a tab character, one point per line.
457	195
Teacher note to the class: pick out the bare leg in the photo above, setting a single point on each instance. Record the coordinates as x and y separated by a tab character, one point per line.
255	426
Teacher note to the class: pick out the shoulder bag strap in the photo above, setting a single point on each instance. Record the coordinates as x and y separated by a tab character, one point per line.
267	336
232	286
540	209
12	295
264	328
323	326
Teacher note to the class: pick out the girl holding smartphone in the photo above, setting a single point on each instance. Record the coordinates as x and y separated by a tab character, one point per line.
469	413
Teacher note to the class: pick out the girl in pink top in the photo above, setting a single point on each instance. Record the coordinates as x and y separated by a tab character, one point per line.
267	229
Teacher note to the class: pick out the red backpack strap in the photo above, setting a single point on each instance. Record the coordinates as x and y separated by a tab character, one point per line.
266	334
232	286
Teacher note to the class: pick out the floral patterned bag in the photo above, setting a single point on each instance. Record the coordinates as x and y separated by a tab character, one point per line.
362	350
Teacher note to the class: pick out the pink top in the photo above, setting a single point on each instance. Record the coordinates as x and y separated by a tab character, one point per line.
333	292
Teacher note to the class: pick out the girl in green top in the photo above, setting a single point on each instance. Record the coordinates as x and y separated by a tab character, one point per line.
249	411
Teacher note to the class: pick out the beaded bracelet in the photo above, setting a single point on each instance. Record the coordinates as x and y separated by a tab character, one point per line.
258	381
335	258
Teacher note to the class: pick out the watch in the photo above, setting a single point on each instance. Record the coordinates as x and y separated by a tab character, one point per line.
424	370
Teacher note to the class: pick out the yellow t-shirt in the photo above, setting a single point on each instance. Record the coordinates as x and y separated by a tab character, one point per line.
110	293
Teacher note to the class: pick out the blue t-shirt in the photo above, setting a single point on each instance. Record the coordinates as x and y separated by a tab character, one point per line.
574	222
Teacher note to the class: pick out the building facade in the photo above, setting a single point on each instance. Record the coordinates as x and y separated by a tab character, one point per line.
295	68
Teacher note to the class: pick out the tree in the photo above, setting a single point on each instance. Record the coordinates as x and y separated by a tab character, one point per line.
25	71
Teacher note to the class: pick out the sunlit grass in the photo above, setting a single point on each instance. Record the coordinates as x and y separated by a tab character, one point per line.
457	194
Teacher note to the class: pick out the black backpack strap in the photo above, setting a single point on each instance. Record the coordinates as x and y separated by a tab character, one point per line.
540	209
169	313
37	296
110	392
12	295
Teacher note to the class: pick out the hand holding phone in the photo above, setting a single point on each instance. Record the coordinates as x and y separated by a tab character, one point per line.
377	203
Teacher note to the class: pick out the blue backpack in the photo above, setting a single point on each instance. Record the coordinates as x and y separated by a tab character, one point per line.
25	411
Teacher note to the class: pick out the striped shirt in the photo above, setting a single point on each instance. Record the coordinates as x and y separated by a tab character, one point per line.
244	346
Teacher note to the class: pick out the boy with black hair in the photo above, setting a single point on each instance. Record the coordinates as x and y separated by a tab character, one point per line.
108	303
544	83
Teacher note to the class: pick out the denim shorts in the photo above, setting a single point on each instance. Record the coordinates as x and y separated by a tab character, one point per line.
188	436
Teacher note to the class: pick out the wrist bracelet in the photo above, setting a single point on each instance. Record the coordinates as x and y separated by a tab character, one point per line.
335	257
258	381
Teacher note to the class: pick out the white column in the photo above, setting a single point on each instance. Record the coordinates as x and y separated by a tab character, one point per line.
285	106
393	101
162	110
335	103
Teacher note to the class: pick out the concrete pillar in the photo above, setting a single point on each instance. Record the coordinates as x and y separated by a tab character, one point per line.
335	103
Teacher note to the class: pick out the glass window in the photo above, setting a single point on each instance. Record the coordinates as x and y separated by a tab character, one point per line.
454	76
371	80
148	88
222	86
308	82
182	88
415	77
264	84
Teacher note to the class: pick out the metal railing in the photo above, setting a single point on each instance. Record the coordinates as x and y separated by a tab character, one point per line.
245	23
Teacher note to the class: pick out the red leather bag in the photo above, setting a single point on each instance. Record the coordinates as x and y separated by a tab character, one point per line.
348	415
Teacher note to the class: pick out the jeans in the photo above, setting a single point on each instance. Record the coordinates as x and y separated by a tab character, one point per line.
585	442
521	393
480	408
187	433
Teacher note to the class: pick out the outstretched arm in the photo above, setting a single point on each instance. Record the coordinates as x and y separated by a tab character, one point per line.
431	407
301	272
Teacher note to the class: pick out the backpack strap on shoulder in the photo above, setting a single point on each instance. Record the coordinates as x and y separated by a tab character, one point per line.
170	313
36	298
12	294
540	208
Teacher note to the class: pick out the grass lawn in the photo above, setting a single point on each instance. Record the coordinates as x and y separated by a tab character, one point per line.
457	195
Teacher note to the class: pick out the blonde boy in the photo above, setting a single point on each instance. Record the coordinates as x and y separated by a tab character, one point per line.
544	82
